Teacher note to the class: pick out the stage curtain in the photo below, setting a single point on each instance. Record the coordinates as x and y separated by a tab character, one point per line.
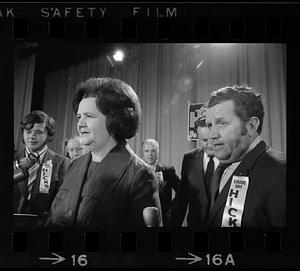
23	81
168	76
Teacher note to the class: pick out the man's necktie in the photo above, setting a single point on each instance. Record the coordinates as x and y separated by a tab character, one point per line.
34	169
209	172
215	182
32	176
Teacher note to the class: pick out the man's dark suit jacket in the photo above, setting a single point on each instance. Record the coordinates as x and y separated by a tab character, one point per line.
121	186
40	203
265	203
191	191
170	180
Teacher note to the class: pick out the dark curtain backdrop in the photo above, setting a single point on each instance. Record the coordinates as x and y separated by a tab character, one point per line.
23	81
168	76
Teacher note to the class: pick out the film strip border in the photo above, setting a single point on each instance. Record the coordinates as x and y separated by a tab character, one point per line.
151	22
150	248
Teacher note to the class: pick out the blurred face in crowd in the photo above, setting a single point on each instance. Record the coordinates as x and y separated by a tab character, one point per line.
91	126
36	137
150	153
204	140
229	134
75	148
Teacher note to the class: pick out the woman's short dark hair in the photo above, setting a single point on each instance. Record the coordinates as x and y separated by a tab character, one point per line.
247	103
38	116
116	100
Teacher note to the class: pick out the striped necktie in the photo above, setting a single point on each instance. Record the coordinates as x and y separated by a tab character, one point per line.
34	169
215	182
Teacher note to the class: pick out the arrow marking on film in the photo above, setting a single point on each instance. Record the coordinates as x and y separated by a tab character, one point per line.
193	260
58	258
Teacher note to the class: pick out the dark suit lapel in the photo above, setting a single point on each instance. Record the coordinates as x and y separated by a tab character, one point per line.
75	178
198	182
22	185
243	169
108	173
197	172
159	167
23	188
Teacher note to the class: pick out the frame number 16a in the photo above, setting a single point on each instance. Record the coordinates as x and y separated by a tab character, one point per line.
209	259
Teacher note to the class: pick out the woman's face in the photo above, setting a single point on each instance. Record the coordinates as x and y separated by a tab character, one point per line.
91	125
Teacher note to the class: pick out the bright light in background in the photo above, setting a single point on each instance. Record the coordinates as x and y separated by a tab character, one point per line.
118	55
199	64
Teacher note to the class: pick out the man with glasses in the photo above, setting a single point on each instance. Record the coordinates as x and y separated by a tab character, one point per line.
74	148
35	193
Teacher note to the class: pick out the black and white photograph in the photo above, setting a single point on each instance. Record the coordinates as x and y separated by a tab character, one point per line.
104	135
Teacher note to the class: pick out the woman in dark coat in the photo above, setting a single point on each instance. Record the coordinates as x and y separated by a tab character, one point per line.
109	186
